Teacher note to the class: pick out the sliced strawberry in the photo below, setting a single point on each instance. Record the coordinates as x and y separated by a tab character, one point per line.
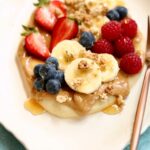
45	18
58	8
65	28
35	44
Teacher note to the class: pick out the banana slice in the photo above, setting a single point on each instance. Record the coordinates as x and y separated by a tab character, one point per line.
83	75
67	51
108	66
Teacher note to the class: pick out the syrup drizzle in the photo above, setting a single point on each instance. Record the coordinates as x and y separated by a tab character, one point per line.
112	110
32	106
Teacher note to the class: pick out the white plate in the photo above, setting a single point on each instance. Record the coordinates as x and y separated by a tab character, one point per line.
95	132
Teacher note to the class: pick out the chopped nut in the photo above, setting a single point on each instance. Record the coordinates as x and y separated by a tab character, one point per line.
83	28
104	8
94	29
83	65
101	94
103	67
69	56
63	97
120	100
95	11
87	21
101	61
90	55
77	82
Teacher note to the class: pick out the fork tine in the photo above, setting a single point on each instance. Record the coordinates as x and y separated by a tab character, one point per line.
148	34
148	43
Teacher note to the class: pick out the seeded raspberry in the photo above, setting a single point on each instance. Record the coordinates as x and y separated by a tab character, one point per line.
103	46
129	27
111	30
123	45
131	63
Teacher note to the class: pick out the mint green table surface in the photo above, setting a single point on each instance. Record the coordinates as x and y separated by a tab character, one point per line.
9	142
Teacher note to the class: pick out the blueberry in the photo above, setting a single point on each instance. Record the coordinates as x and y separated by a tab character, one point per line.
52	72
122	11
39	84
45	69
60	76
53	60
113	15
87	39
53	86
36	70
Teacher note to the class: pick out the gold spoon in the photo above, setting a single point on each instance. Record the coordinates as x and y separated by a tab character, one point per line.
143	99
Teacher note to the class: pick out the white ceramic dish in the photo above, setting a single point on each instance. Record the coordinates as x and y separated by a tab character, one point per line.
95	132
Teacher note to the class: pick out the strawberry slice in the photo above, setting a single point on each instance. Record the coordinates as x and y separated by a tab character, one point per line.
45	18
35	43
64	29
58	8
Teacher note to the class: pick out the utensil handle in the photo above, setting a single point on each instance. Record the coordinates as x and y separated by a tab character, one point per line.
140	112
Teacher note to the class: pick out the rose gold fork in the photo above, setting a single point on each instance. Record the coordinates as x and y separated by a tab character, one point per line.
142	101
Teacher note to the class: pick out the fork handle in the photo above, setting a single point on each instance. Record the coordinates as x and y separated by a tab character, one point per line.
140	111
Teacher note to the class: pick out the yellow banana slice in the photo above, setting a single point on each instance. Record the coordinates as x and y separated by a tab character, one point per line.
83	75
109	67
67	51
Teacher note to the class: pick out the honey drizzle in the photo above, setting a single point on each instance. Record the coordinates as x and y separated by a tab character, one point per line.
33	107
112	110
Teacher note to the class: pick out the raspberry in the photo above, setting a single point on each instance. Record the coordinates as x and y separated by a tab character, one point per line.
123	45
131	63
129	27
103	46
111	30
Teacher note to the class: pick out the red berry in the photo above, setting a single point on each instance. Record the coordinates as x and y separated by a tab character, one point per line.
45	18
103	46
123	45
35	44
58	8
129	27
64	29
131	63
111	30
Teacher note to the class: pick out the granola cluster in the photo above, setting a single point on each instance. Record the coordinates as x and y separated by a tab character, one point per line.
63	97
120	101
69	56
83	65
77	82
90	14
90	55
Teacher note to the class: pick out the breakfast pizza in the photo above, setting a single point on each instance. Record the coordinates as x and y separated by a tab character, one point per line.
79	57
